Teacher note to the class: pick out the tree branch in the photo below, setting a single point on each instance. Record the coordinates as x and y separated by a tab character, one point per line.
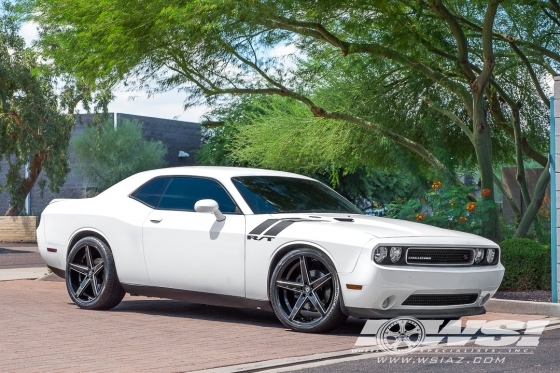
520	177
532	74
462	125
307	29
15	116
509	198
487	47
459	35
534	206
502	123
507	38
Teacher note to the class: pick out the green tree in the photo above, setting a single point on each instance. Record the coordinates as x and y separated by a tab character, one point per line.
107	155
34	128
277	133
481	64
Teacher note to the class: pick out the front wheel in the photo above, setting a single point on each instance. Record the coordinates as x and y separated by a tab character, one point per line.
305	292
91	276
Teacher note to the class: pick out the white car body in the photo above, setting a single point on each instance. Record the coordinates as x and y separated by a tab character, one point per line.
190	255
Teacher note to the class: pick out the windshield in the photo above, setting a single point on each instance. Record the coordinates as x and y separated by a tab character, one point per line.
274	195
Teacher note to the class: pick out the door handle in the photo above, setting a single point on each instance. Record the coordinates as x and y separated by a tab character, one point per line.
156	220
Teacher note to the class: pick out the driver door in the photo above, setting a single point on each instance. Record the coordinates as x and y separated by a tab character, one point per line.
187	250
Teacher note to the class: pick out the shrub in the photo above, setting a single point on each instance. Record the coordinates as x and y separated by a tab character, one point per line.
527	265
106	156
446	206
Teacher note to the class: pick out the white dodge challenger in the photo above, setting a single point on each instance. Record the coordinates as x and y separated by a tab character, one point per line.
264	239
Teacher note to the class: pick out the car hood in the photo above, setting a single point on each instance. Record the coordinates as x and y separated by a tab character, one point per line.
379	227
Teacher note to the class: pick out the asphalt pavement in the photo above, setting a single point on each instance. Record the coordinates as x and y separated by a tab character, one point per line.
20	255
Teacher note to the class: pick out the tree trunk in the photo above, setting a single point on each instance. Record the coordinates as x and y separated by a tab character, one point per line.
534	206
483	147
35	168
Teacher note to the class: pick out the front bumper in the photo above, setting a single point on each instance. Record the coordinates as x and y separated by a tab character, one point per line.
385	288
451	313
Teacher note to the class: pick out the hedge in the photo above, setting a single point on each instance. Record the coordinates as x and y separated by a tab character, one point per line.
527	265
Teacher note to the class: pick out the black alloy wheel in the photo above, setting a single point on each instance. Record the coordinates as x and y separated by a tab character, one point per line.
91	277
305	292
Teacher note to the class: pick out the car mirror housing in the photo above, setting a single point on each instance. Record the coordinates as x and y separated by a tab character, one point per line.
209	206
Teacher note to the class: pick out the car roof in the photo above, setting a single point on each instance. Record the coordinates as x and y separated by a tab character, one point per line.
219	172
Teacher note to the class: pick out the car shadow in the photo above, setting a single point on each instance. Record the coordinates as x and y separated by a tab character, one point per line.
4	250
246	316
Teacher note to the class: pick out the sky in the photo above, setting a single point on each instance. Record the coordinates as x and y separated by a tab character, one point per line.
168	105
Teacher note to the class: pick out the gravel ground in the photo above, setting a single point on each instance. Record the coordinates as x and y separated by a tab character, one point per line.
535	296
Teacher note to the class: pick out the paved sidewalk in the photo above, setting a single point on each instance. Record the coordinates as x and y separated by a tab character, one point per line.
42	331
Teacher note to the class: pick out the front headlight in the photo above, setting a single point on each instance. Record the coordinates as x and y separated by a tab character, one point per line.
490	255
478	255
379	254
395	254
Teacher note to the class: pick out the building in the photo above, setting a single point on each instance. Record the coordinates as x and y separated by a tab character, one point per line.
177	136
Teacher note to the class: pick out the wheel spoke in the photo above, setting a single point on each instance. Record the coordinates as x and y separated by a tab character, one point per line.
316	303
290	285
391	333
297	307
98	267
303	268
416	330
402	326
94	286
321	281
88	258
82	287
79	268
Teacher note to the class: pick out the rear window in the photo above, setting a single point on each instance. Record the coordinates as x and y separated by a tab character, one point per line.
151	192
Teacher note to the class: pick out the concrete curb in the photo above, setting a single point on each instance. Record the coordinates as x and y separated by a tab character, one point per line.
12	274
289	362
50	277
523	307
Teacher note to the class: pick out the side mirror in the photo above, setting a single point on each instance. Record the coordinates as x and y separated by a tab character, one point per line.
209	206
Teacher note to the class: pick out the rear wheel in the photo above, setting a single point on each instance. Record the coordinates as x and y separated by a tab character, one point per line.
305	292
91	276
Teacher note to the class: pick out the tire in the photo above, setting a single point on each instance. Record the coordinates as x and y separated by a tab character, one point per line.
311	303
91	276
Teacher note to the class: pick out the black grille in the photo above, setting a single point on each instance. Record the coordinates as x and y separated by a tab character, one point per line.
439	256
440	299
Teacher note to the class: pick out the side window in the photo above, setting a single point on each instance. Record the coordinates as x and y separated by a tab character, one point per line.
152	191
183	192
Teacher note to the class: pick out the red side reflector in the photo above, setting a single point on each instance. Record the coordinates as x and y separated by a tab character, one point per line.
353	287
51	250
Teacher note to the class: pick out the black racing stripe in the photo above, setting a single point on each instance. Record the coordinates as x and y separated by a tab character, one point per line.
263	226
279	227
